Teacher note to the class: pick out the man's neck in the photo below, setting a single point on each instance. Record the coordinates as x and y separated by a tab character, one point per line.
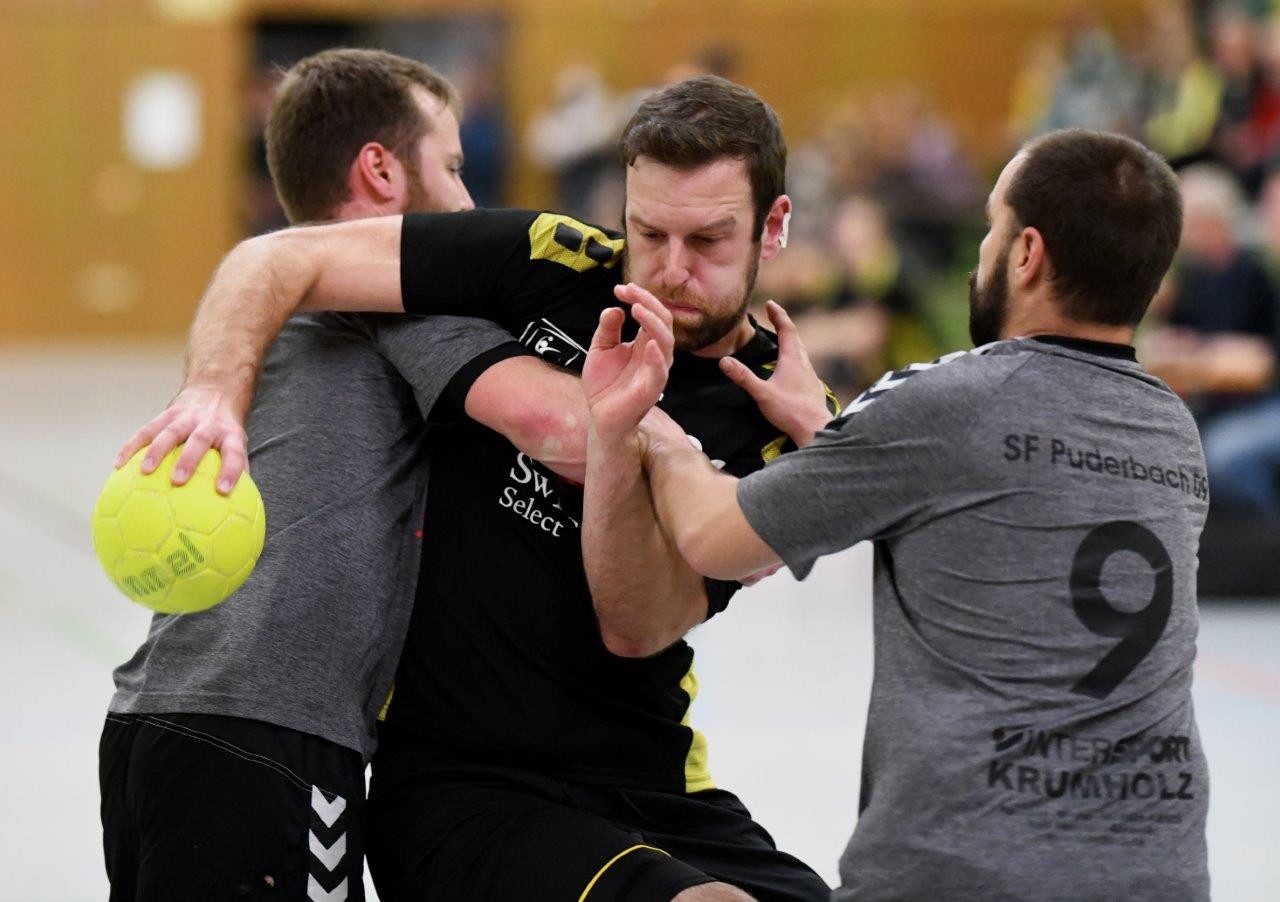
731	343
360	208
1043	319
1116	335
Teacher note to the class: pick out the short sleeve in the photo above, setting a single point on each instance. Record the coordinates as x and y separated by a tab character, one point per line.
505	265
429	351
881	467
466	264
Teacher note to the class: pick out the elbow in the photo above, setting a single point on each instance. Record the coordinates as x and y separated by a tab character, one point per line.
550	435
627	644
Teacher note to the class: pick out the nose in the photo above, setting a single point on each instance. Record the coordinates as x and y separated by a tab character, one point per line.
675	269
465	202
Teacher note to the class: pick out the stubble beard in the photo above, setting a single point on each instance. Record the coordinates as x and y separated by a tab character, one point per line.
694	334
989	303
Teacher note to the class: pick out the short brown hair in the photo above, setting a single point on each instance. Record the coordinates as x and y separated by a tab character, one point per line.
1110	213
330	105
700	120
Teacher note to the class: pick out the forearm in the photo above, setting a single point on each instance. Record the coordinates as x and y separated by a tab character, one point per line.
646	596
538	408
697	506
265	280
253	292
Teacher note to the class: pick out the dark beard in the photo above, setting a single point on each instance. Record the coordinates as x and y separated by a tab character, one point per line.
710	327
989	304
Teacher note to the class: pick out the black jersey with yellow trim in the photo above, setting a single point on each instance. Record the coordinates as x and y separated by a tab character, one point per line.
504	662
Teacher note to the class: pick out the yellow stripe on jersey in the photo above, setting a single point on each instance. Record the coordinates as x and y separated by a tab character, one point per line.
610	863
774	448
382	715
562	239
697	775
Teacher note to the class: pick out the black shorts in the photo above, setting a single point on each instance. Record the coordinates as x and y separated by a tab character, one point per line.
446	832
196	807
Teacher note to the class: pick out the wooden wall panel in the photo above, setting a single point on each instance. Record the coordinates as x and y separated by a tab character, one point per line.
93	243
89	244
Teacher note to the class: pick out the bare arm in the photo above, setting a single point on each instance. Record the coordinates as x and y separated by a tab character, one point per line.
645	596
352	266
697	506
539	408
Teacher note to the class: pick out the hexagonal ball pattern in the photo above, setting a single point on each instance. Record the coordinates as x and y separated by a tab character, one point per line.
233	546
198	507
119	486
145	521
177	549
108	544
197	592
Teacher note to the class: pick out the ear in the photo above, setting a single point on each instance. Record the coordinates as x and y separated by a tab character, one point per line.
774	236
375	174
1028	260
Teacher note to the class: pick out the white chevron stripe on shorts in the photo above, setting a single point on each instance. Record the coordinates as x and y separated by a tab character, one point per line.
331	856
317	893
328	811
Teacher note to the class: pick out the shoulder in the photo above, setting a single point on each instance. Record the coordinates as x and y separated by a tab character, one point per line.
558	238
961	380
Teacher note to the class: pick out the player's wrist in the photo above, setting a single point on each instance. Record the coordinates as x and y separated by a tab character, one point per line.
807	426
613	440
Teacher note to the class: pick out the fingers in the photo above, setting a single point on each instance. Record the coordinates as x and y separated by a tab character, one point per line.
789	342
655	330
192	453
168	438
656	367
143	437
235	456
609	332
740	375
633	294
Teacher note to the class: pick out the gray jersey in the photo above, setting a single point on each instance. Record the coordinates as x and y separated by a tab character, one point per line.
1036	508
337	447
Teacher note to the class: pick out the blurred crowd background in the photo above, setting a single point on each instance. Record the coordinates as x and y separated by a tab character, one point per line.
899	115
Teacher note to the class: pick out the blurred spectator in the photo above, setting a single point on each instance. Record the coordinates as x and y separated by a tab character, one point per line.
260	209
575	138
853	302
1034	88
1096	86
1249	121
717	59
1218	346
483	132
1182	92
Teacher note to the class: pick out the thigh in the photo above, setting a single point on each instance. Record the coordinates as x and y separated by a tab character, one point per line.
119	842
714	832
228	808
505	836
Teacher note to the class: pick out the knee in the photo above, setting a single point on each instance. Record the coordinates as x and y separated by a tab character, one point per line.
713	892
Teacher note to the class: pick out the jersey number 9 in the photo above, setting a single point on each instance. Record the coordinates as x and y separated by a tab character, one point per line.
1138	631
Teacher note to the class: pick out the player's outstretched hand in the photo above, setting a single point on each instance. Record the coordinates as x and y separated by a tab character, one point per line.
623	380
203	419
793	398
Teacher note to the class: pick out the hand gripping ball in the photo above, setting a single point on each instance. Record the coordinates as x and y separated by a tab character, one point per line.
177	549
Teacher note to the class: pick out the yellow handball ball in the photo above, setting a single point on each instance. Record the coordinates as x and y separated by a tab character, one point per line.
177	549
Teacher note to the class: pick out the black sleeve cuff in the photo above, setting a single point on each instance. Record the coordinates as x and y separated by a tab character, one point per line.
453	401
